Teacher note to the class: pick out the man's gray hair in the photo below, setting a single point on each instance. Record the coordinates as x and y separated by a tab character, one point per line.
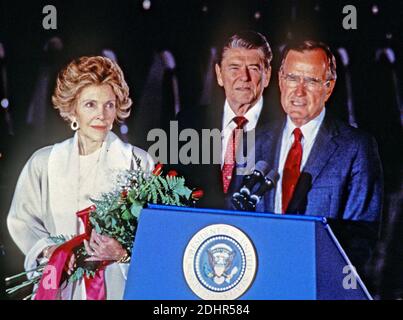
309	45
248	40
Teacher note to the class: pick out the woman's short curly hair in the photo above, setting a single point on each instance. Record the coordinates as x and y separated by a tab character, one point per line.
86	71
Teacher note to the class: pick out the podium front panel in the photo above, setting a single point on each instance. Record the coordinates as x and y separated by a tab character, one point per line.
285	250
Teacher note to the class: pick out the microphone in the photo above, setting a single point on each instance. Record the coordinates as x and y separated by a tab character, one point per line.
239	198
261	168
270	181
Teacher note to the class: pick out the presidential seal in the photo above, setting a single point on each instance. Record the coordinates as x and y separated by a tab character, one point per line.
219	263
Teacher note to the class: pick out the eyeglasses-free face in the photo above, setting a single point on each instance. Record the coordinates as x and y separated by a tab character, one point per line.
95	112
243	76
304	85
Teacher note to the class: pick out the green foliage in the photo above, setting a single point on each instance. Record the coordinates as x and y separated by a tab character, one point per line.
117	213
58	239
77	274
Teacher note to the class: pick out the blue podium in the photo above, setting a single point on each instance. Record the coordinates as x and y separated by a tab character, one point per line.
185	253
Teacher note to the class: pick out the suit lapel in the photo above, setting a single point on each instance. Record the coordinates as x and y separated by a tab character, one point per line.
322	150
268	144
213	120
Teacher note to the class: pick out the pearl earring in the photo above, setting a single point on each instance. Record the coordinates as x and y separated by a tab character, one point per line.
74	125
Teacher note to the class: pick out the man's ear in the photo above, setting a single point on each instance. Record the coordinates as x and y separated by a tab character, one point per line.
280	81
329	88
218	75
267	77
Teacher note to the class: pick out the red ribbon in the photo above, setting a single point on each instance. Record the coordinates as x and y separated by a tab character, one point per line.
53	273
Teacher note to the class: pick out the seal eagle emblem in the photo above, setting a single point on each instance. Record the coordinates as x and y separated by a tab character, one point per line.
219	262
220	258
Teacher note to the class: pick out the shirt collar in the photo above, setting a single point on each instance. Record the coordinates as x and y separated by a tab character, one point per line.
309	130
252	115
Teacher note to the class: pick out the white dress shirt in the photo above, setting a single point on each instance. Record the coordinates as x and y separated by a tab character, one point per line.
252	115
309	132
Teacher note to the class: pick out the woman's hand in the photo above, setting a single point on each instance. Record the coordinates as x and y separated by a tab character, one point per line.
69	267
102	248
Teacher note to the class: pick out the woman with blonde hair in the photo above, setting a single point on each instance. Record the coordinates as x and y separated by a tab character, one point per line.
59	180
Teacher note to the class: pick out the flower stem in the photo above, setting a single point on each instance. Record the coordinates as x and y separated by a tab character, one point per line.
8	279
23	285
29	296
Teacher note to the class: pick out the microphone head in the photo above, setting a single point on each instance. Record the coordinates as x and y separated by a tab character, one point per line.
270	181
273	176
255	176
262	166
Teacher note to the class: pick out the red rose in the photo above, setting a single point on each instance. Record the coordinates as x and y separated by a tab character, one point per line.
124	194
172	173
158	169
197	194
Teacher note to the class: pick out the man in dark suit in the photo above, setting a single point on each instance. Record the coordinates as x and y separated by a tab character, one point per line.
243	71
326	167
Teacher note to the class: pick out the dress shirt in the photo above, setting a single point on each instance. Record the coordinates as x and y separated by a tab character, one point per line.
252	115
309	131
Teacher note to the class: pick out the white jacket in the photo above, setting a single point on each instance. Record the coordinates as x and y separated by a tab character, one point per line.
45	202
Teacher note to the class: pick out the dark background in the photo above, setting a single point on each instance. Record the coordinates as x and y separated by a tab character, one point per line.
188	30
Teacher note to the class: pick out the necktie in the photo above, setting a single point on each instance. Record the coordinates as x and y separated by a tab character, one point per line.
291	169
230	152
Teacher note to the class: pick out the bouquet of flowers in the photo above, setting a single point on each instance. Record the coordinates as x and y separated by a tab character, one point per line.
114	215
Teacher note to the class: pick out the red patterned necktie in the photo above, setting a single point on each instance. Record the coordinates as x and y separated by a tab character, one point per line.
230	152
291	169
